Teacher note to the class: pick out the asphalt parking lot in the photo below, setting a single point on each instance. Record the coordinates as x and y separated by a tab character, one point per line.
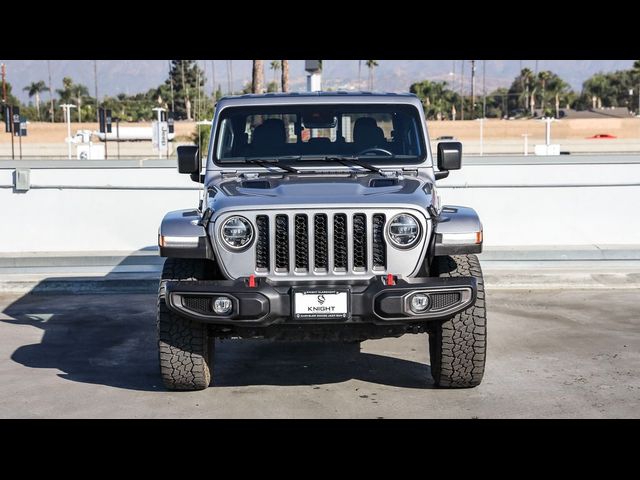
560	353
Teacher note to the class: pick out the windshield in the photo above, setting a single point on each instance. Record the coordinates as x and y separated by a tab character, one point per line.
386	133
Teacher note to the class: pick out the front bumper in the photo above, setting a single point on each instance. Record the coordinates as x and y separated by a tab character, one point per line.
270	301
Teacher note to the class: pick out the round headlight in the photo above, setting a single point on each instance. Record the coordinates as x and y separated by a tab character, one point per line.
236	232
404	230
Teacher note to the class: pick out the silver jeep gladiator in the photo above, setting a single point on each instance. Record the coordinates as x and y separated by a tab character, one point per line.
320	220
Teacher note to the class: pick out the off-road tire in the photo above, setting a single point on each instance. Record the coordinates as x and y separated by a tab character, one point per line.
185	353
458	346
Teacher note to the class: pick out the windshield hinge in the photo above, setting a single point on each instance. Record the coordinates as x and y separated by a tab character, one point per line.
250	175
391	173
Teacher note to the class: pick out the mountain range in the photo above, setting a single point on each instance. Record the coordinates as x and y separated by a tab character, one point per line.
134	76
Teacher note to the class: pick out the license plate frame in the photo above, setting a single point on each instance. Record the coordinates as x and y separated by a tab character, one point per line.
320	315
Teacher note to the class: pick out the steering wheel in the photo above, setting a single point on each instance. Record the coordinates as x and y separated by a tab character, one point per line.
373	150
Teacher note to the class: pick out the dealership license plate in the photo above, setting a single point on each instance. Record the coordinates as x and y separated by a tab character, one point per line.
321	304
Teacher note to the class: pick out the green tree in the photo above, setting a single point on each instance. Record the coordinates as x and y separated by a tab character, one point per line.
65	93
543	78
371	64
437	100
80	92
34	89
528	90
559	92
75	92
598	88
200	137
497	103
275	65
272	87
218	94
188	82
11	100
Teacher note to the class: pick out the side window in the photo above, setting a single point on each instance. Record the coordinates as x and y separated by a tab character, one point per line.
226	137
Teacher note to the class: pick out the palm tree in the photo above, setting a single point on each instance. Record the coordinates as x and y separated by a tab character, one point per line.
543	77
596	87
65	92
526	75
371	64
559	90
34	89
285	75
257	76
79	91
532	101
275	66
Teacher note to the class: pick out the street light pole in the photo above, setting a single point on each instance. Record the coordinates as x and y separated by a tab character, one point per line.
473	88
158	130
67	112
482	136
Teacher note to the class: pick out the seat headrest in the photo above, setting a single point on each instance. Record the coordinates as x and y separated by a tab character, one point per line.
366	131
270	133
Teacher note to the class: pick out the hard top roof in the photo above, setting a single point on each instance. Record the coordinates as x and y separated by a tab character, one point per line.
319	97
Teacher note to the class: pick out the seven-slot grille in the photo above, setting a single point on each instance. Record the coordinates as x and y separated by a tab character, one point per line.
331	243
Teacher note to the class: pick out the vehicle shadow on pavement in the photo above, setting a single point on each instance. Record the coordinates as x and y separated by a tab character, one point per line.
108	337
101	330
100	339
263	362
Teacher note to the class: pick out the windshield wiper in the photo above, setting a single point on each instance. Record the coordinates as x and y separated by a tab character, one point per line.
274	162
353	161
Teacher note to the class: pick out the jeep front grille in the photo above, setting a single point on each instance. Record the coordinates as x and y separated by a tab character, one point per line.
296	243
325	256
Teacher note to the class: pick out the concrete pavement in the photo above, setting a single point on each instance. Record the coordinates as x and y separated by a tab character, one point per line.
551	353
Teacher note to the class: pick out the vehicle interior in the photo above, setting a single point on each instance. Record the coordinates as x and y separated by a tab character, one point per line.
251	132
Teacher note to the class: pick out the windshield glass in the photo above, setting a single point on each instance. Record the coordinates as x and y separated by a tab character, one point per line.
386	133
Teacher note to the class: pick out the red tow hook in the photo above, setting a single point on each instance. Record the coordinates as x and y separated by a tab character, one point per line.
391	280
252	281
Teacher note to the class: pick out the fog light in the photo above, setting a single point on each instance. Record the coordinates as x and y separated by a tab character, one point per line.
419	302
222	305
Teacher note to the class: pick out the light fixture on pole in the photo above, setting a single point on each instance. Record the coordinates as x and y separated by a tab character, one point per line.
67	113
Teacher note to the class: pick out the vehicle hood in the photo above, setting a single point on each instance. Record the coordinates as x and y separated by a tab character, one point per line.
302	191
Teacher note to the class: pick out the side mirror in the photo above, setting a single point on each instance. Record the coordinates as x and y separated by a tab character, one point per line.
188	161
449	158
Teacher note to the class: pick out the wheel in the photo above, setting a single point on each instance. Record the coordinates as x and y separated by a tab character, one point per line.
458	346
185	354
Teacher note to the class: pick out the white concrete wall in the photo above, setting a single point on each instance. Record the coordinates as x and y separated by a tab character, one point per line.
118	217
99	209
542	204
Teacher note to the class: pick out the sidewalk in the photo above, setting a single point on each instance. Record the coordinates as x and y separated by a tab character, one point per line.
573	267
